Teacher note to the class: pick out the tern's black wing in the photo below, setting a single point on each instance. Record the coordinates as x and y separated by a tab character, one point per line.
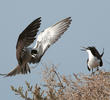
27	37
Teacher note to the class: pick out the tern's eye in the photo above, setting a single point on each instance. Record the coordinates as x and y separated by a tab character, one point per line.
34	52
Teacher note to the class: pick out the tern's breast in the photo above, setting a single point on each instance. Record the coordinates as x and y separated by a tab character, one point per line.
93	61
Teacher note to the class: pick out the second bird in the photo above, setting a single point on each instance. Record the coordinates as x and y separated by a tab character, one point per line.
95	59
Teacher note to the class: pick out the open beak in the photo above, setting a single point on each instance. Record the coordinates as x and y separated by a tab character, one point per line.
83	49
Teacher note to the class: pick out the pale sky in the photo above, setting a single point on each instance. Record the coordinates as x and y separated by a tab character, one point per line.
90	27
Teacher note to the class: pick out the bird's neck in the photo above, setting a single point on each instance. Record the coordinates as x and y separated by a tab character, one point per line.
90	54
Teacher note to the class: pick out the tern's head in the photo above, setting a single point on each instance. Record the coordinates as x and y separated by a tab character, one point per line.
34	53
89	50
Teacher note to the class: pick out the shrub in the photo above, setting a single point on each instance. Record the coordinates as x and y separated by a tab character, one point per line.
61	87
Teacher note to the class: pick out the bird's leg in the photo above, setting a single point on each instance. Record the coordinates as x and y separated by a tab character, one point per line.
21	70
97	68
25	69
92	72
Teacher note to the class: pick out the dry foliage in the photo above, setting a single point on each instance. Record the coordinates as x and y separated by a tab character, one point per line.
76	87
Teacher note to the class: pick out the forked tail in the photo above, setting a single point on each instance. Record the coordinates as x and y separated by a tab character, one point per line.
18	70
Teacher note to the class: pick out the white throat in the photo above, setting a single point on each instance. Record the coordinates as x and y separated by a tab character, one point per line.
90	54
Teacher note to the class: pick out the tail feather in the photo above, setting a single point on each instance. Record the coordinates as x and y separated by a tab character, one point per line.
18	70
15	71
102	53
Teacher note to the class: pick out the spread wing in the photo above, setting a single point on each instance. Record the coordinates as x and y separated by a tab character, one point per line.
49	36
27	37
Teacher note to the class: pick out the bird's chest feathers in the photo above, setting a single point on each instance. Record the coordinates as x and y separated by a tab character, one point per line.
93	61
